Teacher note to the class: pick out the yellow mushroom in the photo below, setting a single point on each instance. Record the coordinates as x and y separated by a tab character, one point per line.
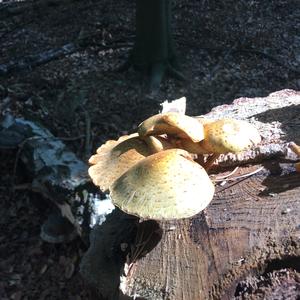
157	143
115	157
172	123
220	137
188	145
166	185
203	120
229	135
296	149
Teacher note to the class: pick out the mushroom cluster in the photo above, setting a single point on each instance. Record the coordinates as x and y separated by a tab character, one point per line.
153	173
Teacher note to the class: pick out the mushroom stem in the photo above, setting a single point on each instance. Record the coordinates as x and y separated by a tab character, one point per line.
210	160
157	144
200	159
295	148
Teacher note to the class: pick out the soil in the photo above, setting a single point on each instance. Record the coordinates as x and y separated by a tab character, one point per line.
227	49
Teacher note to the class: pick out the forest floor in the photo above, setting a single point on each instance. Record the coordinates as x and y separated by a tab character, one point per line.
227	49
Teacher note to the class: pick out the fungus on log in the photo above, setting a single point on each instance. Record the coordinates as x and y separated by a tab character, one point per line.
250	227
166	185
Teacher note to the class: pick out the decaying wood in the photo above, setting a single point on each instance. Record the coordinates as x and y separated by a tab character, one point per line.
251	223
45	159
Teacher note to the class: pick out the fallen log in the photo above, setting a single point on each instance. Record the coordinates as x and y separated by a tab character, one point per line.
252	224
32	61
57	174
251	227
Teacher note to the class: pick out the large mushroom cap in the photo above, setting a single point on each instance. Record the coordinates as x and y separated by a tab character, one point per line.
174	124
229	135
115	157
165	185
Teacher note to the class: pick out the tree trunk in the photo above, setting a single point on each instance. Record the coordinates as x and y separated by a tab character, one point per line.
154	50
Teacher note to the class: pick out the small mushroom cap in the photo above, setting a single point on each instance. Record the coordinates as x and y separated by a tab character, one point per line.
172	123
115	157
163	186
229	135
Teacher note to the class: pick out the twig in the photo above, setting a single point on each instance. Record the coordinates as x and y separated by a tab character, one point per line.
21	147
87	145
220	178
69	138
139	247
31	61
23	186
241	50
240	176
270	57
15	28
63	138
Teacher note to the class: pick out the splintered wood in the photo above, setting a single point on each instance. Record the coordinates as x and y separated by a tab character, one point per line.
251	222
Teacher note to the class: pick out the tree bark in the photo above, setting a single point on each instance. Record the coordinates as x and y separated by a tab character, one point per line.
154	49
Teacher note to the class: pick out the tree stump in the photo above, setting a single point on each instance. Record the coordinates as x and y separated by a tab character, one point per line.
251	227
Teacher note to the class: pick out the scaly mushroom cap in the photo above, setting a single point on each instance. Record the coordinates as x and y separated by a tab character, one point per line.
229	135
165	185
172	123
115	157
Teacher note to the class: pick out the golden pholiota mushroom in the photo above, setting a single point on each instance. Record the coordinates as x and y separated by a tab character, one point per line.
152	174
296	149
157	143
229	135
172	123
114	158
163	186
221	137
